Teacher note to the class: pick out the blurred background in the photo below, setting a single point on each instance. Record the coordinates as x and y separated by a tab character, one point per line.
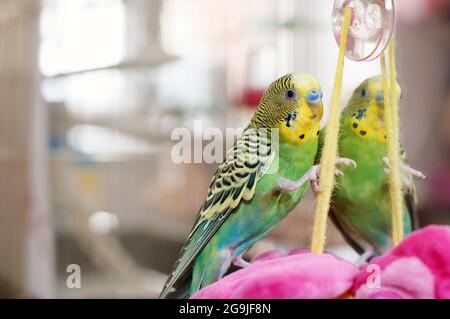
91	91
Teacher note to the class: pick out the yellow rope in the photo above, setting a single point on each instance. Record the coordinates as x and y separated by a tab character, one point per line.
393	145
330	148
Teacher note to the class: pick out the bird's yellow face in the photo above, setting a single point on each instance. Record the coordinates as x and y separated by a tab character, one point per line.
365	113
303	100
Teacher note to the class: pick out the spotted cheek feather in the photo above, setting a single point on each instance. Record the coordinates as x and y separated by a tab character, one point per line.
299	131
364	131
360	129
296	134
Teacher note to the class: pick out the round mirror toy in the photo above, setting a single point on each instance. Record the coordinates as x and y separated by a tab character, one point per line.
371	28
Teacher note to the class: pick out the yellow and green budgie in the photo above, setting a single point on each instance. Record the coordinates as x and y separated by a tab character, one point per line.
360	206
264	176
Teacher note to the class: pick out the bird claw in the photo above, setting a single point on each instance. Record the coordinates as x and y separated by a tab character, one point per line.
315	171
345	161
288	186
365	257
313	176
386	161
240	262
417	173
338	172
404	168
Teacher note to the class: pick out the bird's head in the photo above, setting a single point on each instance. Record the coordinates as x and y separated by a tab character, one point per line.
292	104
364	113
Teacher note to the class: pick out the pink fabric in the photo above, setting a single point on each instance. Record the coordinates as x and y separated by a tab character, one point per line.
405	278
298	275
417	268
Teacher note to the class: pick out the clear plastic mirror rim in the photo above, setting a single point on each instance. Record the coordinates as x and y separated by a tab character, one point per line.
371	28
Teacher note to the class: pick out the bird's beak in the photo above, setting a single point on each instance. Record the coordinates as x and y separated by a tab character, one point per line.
314	96
380	98
314	100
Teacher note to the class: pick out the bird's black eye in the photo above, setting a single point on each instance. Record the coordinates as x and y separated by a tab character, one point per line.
290	95
364	93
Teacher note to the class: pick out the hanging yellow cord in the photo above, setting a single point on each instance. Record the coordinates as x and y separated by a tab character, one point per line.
393	144
330	148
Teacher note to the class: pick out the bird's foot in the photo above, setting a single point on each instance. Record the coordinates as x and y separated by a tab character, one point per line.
315	172
287	185
404	168
365	257
387	170
345	161
312	175
240	262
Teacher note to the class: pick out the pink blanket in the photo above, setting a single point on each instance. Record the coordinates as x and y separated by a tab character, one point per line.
417	268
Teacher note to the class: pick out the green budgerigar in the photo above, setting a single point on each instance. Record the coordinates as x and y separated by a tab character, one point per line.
263	177
360	203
